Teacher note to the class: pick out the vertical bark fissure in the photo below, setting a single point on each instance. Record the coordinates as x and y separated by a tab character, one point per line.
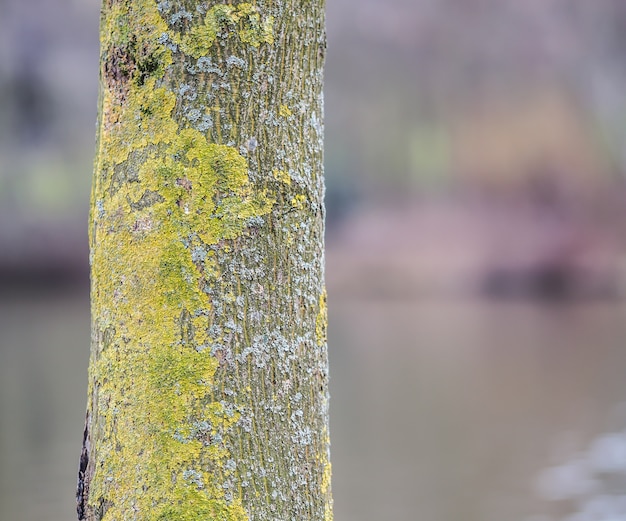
82	489
208	376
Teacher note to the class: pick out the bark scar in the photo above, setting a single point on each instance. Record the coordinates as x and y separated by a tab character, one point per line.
82	489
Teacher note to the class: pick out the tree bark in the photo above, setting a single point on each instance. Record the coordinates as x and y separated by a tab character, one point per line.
208	392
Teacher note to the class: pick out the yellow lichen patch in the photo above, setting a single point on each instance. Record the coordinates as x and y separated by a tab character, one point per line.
145	119
161	193
200	38
139	19
326	479
252	29
321	322
284	111
159	375
195	505
282	176
323	461
244	20
153	387
134	32
298	201
156	378
202	189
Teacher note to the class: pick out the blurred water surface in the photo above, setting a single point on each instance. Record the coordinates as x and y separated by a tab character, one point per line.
449	409
44	350
442	409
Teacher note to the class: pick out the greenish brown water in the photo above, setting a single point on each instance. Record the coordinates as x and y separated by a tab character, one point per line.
44	350
442	410
449	410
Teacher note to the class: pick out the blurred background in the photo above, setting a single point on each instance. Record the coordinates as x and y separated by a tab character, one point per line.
476	268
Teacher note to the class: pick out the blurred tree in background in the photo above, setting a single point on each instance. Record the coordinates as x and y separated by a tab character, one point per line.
415	68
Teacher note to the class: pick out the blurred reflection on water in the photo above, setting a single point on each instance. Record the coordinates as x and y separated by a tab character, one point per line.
442	410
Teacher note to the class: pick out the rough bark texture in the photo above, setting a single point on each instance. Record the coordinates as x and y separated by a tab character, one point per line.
208	374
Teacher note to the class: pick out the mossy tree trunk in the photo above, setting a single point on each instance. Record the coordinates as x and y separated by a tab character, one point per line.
208	374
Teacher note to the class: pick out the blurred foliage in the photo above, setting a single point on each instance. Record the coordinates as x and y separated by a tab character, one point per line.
406	78
418	94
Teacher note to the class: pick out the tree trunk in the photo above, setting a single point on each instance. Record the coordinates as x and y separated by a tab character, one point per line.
208	376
